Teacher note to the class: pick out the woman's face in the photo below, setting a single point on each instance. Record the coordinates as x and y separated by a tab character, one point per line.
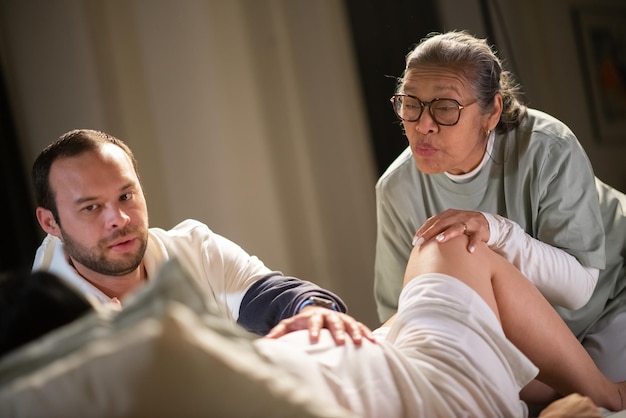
456	149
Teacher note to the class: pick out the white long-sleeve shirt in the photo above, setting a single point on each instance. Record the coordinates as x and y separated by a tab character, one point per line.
561	279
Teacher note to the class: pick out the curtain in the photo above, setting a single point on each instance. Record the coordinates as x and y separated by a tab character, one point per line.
20	235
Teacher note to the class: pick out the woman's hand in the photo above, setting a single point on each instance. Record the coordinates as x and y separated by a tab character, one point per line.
452	223
314	318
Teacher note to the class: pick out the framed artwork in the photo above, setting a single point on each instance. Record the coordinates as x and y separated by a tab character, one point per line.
601	38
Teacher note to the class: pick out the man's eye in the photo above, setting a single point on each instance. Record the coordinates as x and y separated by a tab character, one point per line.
126	196
90	208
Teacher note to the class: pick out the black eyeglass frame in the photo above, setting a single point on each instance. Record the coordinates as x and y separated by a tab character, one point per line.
424	104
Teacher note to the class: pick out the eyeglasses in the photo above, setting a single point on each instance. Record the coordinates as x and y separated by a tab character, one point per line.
445	112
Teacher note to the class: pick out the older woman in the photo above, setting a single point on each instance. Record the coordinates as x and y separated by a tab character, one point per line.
482	164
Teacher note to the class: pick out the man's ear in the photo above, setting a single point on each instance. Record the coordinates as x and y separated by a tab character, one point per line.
47	222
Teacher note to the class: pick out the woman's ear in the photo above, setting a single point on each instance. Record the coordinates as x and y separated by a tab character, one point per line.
494	116
47	222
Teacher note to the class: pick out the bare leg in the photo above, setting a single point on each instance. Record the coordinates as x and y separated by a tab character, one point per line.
527	319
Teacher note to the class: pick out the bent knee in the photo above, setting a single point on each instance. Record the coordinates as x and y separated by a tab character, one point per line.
452	257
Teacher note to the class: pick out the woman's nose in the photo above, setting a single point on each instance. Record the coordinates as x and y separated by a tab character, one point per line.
426	124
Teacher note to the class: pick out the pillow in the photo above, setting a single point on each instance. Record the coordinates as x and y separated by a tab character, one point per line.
172	351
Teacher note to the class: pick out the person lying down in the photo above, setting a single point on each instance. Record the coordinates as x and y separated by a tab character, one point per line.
467	337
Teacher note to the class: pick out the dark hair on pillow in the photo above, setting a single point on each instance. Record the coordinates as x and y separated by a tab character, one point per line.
33	304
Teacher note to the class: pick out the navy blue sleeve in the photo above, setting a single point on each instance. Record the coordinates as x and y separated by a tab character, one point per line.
276	297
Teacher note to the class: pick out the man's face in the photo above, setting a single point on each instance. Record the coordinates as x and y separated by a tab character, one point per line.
103	218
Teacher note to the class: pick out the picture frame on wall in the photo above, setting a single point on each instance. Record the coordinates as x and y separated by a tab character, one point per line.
601	39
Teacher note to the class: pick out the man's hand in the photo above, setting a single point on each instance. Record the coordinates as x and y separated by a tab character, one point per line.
314	318
572	406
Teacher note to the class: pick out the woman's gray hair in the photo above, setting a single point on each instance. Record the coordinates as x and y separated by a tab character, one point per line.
475	61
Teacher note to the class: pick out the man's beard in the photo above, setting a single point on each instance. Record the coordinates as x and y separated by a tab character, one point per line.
95	258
